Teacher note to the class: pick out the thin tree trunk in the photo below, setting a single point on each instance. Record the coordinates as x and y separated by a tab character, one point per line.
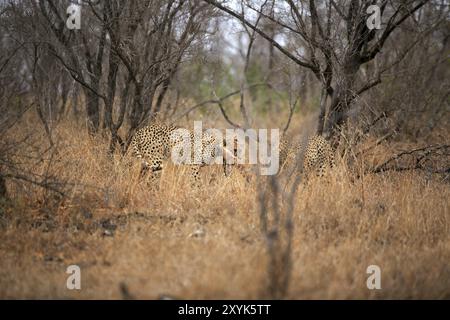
3	191
44	123
161	95
323	109
93	112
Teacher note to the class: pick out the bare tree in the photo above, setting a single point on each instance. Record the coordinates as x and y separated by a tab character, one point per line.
333	40
124	56
14	102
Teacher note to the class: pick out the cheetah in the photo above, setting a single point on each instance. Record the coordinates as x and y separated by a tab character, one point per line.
153	144
285	152
290	152
319	157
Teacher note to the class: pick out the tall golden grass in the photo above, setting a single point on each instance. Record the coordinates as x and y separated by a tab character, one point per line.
206	242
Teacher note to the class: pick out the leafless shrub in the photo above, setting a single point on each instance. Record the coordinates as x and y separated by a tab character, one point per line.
19	154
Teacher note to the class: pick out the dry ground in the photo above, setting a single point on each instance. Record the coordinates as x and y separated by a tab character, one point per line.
207	243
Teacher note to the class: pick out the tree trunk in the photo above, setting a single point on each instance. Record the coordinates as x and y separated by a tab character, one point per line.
323	110
330	124
162	94
93	111
3	191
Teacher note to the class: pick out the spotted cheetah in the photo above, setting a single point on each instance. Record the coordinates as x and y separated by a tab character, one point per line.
319	157
153	144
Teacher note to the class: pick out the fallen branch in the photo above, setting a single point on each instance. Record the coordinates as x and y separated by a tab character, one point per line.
418	165
52	186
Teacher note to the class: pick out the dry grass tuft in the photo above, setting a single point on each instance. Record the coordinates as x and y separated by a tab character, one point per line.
206	242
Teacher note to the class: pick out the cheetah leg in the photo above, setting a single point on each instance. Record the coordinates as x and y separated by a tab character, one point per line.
228	155
305	178
155	170
195	175
154	178
145	167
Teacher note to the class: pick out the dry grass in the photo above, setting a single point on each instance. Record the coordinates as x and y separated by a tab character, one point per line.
207	243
